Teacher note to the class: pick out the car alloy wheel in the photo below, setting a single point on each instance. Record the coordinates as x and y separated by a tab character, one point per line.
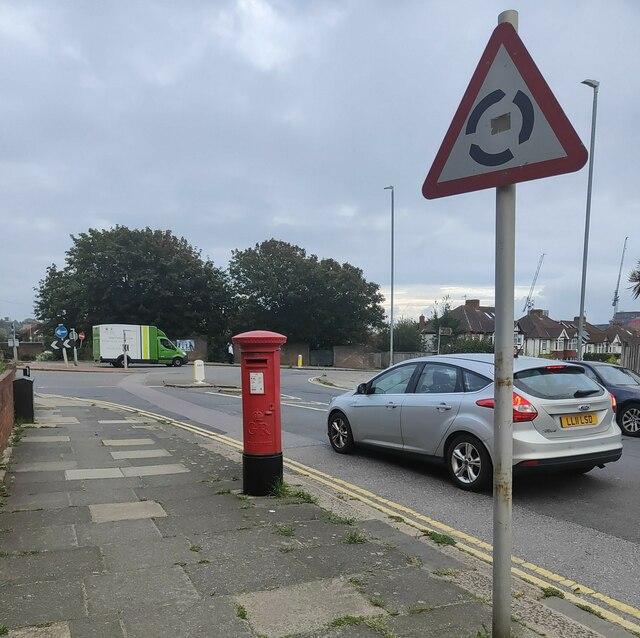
468	463
177	362
630	420
340	435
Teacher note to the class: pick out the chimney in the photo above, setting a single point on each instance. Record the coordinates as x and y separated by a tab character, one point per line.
472	303
421	323
538	312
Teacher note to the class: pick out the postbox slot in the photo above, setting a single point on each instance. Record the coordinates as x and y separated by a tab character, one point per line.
257	361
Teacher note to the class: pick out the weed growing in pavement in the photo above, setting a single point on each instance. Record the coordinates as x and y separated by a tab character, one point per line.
42	625
341	520
589	609
242	497
358	584
548	592
379	624
204	561
284	530
17	434
180	563
396	519
280	489
285	549
4	630
483	634
195	548
414	561
223	492
446	572
440	539
29	552
377	602
241	612
344	621
355	538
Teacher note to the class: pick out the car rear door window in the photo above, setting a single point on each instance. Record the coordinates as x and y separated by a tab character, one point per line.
556	382
438	379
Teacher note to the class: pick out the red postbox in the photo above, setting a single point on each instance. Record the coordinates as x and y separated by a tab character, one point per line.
262	434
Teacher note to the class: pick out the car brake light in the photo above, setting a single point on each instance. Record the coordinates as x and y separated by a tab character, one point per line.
523	410
614	403
555	367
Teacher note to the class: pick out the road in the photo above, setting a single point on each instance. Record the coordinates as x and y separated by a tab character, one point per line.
585	528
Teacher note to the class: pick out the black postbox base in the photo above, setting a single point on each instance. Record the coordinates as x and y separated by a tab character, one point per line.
260	473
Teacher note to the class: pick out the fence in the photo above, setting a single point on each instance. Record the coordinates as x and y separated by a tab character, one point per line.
630	357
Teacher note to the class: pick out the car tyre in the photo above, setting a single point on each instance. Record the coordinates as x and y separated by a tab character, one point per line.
340	435
630	420
469	463
177	362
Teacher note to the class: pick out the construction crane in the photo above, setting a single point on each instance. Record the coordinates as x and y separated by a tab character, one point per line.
616	296
528	304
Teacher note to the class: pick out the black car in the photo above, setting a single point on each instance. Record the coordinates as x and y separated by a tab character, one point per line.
624	384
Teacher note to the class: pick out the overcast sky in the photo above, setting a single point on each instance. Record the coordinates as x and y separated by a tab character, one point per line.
230	122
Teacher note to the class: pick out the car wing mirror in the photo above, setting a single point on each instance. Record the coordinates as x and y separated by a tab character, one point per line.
362	388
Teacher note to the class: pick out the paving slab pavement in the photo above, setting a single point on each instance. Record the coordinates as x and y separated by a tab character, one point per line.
117	545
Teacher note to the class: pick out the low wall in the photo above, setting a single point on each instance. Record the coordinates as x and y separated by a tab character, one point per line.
6	407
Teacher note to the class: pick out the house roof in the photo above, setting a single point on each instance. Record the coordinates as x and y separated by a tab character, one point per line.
537	325
471	318
593	333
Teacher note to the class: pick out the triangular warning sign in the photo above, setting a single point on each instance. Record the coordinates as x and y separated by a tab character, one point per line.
508	128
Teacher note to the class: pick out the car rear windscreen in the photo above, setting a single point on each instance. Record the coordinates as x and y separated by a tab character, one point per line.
618	376
556	382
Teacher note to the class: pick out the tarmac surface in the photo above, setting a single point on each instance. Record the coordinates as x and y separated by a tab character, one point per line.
117	525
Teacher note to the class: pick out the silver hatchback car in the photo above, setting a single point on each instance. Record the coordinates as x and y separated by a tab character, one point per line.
441	408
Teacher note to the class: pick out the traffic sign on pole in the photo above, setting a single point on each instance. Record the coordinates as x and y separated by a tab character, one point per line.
509	127
61	332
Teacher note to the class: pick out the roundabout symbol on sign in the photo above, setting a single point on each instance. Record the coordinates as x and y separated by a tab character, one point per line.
523	102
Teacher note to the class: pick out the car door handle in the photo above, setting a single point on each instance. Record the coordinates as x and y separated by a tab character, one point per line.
391	405
442	407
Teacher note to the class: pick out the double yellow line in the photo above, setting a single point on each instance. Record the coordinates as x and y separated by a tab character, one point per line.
572	590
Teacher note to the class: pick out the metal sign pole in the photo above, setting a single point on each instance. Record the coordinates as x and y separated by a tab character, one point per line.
15	344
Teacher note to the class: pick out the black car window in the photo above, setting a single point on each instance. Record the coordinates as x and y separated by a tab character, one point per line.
167	344
394	381
617	376
438	379
474	381
556	382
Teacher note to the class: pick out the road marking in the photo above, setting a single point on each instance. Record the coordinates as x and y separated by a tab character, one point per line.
471	545
292	404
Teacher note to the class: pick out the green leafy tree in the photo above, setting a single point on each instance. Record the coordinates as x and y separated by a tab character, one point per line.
279	287
406	336
135	276
634	278
441	316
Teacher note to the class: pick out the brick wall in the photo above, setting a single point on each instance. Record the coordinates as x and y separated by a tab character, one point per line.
6	407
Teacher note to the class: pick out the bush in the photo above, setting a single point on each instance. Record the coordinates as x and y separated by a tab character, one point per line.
47	355
602	357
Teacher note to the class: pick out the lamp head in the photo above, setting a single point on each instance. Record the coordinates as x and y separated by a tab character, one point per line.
594	84
388	187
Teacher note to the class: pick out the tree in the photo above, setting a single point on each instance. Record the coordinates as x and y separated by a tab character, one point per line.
135	276
406	336
634	278
279	287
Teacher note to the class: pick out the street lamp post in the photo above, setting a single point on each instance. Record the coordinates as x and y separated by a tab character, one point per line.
594	84
392	259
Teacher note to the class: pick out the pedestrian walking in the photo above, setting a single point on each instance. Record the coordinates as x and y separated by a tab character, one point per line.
230	358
